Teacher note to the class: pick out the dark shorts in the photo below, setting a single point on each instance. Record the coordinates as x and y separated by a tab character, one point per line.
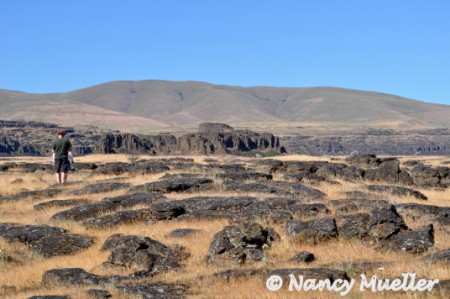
61	165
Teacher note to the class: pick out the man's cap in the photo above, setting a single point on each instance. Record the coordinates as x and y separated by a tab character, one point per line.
61	132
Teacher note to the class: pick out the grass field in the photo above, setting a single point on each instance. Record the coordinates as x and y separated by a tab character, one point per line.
22	277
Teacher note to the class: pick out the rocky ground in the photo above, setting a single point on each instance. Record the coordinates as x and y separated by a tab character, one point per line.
218	227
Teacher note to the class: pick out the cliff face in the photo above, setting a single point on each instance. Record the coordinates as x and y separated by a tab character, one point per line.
424	142
211	139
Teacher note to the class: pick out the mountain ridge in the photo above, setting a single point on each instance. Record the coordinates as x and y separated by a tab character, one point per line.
160	103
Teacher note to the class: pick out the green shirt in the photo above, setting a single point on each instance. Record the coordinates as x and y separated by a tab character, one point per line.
61	146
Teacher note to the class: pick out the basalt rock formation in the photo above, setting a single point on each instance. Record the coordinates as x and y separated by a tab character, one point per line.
212	138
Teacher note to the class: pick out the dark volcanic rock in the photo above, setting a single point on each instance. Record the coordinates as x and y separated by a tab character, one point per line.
309	210
144	255
353	225
71	277
27	233
385	222
182	232
36	194
304	256
240	244
100	188
313	231
98	294
244	176
240	186
59	203
239	273
418	211
122	217
155	290
425	176
439	256
396	190
131	200
175	185
51	246
350	205
414	241
108	204
297	189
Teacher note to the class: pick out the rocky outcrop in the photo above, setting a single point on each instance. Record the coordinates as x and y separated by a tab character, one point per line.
142	254
211	139
240	244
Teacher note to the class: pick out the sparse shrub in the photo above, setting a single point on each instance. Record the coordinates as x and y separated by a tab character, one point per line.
133	156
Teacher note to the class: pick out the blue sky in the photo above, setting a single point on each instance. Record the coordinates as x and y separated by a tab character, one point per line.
399	47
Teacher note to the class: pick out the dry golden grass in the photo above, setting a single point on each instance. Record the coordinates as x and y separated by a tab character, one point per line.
26	275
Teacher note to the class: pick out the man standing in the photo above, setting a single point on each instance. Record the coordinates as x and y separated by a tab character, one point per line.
61	148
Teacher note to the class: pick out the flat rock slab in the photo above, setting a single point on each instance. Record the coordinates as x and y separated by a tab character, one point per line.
58	245
27	234
309	210
352	205
385	222
175	185
439	256
419	211
119	218
398	191
243	175
239	273
109	204
313	231
101	188
142	254
353	225
196	207
59	203
71	277
154	290
240	244
414	241
183	232
240	186
36	195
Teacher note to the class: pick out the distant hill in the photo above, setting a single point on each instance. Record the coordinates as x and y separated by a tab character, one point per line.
140	105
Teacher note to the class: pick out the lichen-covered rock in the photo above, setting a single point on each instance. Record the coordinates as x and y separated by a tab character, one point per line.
414	241
439	256
71	277
27	233
240	244
101	188
175	185
51	246
142	254
313	231
59	203
385	222
156	290
353	225
398	191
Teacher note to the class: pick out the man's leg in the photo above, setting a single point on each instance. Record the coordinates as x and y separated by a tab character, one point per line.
58	180
63	177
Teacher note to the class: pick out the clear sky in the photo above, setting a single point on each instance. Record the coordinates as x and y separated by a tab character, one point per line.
393	46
